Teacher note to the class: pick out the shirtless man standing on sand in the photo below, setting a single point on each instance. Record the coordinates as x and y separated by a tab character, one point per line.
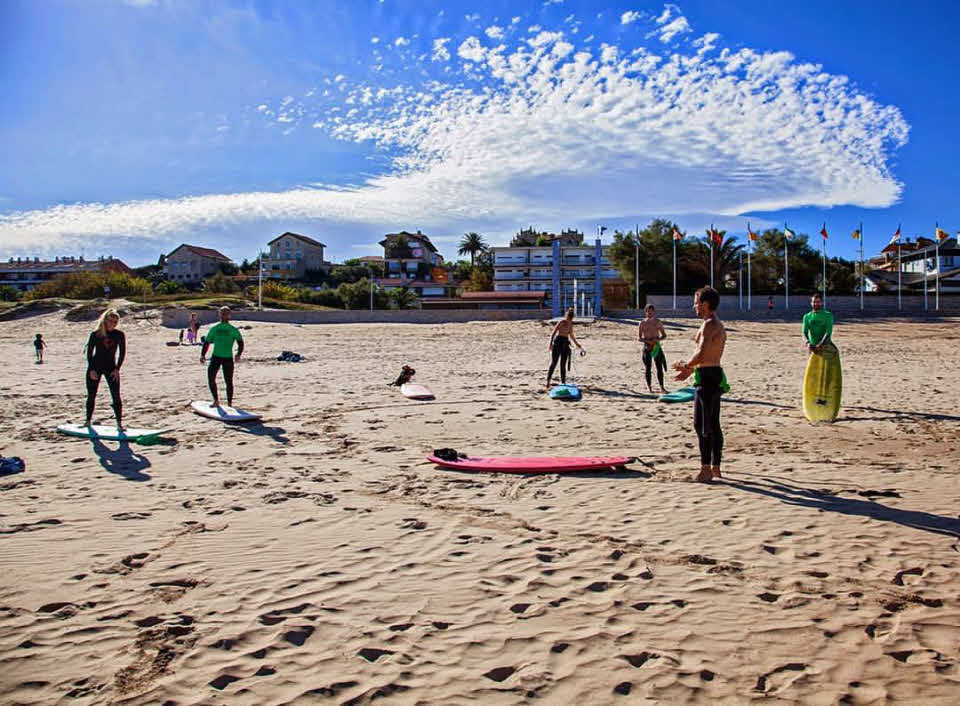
650	333
709	381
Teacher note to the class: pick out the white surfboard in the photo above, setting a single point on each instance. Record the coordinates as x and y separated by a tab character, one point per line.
416	392
107	433
222	412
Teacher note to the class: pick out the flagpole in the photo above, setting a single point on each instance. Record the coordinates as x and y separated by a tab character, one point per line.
925	251
740	283
260	281
711	254
862	279
674	271
936	284
824	297
636	233
786	271
749	289
899	279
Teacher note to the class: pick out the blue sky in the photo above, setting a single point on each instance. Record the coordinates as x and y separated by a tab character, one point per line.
129	126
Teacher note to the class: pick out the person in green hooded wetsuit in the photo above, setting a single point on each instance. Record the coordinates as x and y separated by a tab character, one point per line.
817	325
650	333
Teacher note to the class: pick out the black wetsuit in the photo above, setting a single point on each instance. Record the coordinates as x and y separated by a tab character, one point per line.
706	415
105	354
561	352
661	361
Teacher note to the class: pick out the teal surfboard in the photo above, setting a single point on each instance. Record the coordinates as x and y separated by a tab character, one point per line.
565	392
684	394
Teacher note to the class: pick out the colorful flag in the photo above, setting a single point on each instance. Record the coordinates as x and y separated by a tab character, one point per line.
823	231
896	236
677	235
602	229
750	234
941	234
789	233
715	236
855	234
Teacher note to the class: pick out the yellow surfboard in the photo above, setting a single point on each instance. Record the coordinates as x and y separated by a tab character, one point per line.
823	385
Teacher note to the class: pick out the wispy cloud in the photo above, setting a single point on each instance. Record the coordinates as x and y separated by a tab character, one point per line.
630	17
672	23
547	129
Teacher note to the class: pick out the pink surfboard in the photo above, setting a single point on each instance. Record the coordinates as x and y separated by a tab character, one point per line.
534	464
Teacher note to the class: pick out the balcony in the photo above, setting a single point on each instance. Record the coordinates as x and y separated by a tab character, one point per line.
512	260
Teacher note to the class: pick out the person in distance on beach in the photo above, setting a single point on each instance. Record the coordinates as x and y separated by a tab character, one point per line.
222	336
817	325
106	349
39	345
650	333
560	346
709	381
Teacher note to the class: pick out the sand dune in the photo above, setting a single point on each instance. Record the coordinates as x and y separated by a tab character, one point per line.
318	558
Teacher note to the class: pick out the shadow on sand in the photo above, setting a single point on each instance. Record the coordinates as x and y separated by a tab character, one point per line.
278	434
828	501
122	461
894	414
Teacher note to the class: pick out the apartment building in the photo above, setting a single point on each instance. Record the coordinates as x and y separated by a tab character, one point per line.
192	263
291	255
25	273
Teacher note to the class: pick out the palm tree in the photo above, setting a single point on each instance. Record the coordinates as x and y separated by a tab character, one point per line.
403	298
726	260
471	244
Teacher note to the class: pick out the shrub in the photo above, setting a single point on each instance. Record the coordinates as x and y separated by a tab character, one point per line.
89	285
9	294
220	284
168	286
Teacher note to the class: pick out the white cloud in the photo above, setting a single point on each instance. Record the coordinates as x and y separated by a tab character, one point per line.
471	50
676	26
401	42
494	32
630	17
140	3
440	51
514	20
374	40
560	134
471	18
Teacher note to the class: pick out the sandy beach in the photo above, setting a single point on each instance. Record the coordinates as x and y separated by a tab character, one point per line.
319	558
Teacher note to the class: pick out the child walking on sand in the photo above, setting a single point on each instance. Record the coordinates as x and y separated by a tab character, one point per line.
39	345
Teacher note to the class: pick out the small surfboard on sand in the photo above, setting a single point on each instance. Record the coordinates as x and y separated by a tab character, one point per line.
415	391
684	394
823	385
222	412
534	464
565	392
108	433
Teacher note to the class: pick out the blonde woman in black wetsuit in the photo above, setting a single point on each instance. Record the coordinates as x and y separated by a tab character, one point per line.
106	349
560	346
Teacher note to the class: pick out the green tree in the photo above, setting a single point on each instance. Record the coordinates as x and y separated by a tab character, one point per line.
726	261
471	244
355	295
9	294
768	267
656	256
168	287
398	247
403	298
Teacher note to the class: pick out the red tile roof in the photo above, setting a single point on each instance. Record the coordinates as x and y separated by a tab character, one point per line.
202	252
304	238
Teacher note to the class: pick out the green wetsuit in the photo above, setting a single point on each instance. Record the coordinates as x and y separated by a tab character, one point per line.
817	326
222	336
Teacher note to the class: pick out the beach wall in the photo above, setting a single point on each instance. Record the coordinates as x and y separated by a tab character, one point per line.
178	318
841	306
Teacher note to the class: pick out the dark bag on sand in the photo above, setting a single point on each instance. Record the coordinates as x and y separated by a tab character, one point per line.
448	454
13	464
406	374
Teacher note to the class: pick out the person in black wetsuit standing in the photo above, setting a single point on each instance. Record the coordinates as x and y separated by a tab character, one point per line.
709	381
106	349
560	346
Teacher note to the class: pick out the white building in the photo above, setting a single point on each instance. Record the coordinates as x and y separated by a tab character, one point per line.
531	268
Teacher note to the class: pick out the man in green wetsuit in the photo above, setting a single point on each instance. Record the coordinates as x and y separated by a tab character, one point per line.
222	336
817	325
